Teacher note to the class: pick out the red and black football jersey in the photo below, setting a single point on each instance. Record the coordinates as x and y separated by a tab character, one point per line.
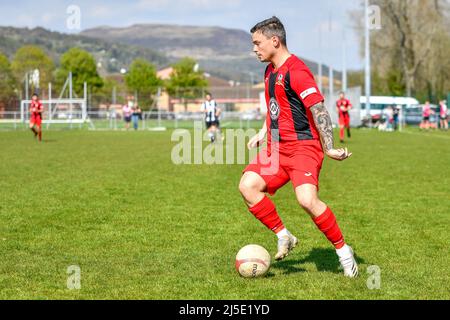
36	105
290	91
343	103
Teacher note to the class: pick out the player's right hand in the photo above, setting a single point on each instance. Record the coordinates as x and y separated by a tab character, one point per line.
339	154
256	140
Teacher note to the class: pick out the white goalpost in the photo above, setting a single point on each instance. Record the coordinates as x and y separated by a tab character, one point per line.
71	110
58	111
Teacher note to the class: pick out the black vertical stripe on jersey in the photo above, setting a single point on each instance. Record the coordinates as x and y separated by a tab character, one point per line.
274	128
301	122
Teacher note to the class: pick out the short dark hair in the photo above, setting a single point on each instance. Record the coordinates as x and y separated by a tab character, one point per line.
271	27
35	95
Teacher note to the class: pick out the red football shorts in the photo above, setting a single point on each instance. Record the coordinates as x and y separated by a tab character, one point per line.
344	120
296	162
36	120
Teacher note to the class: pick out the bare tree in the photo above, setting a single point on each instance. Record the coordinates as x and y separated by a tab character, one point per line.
414	39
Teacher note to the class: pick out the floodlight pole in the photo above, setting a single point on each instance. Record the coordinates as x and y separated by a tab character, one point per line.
70	97
85	95
330	68
368	67
320	61
331	80
70	86
344	63
158	106
50	101
27	95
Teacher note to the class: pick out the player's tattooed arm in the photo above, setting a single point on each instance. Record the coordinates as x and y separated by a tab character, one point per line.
323	123
324	126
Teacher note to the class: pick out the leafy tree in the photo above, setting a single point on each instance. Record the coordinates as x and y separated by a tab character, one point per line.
104	95
395	83
83	67
187	81
29	58
7	81
142	79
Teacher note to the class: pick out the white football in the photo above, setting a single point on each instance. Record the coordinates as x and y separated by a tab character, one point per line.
252	261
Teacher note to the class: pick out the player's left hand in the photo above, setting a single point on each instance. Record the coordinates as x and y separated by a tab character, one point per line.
339	154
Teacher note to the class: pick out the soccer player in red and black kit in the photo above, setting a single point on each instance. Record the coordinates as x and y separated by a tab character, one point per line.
343	106
36	110
299	133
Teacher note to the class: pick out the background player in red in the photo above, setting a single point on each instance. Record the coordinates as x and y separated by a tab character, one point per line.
343	106
299	132
36	110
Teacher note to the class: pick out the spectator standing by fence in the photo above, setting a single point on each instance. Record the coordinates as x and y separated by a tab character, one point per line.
136	116
127	111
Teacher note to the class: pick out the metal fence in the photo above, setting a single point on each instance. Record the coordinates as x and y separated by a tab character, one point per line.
150	120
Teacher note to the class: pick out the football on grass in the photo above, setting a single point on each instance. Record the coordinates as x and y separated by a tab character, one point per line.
252	261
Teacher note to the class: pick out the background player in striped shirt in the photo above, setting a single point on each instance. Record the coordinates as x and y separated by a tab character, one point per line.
212	113
299	133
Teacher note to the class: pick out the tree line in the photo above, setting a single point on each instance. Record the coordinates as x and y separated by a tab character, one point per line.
140	79
410	53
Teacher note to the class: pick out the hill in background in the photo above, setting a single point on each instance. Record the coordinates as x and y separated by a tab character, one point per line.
220	51
112	56
225	53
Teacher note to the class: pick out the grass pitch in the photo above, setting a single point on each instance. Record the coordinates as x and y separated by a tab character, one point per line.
140	227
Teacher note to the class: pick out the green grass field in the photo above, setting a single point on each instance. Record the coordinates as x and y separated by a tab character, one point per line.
140	227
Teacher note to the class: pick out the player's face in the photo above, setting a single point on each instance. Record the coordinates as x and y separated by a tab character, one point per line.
208	97
34	98
263	46
342	96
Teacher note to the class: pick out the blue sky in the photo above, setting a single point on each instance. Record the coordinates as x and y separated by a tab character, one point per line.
302	18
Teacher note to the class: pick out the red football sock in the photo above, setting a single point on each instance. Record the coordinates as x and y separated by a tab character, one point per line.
341	133
266	212
326	223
